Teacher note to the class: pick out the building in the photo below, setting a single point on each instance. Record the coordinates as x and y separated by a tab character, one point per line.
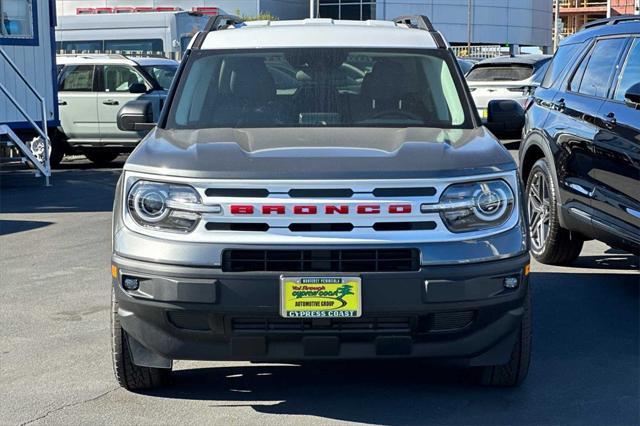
575	13
284	9
493	22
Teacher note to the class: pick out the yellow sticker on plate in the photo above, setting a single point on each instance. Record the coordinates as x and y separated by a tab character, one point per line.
320	297
483	112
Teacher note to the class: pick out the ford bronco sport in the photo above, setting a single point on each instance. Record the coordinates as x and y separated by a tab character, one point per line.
319	190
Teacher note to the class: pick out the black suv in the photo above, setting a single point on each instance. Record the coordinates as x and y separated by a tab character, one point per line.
580	156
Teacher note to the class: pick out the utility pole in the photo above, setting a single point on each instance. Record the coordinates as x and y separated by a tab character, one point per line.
556	26
469	25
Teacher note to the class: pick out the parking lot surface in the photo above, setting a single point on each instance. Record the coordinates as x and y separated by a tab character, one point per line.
55	353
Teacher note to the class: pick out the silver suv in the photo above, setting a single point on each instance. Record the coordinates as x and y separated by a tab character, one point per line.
91	91
319	190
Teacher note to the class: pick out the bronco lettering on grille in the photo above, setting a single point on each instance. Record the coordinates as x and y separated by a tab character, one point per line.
310	209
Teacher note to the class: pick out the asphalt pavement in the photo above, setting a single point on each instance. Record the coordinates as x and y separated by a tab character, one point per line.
55	365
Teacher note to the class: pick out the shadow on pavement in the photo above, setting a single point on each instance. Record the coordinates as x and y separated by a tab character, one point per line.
73	190
14	226
575	377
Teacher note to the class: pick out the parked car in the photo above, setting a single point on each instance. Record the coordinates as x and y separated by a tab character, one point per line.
580	157
506	77
465	65
371	218
91	91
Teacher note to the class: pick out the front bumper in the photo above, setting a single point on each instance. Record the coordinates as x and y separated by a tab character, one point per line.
460	313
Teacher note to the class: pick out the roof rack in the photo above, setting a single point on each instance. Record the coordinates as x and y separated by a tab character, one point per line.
422	22
610	21
216	23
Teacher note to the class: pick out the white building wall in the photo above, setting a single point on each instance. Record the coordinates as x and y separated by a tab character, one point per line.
38	65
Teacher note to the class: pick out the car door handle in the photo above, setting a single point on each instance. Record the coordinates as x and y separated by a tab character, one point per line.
110	102
62	102
560	106
610	121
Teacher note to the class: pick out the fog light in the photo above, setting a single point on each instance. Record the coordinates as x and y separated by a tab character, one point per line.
511	282
130	284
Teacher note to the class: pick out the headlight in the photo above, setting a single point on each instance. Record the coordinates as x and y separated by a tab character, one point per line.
475	205
164	206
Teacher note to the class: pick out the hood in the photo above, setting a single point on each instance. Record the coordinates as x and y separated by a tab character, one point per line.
320	153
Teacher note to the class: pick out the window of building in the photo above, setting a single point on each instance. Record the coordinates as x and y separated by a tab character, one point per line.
357	10
631	72
594	74
16	20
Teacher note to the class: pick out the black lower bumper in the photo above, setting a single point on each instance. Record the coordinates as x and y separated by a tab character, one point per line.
461	313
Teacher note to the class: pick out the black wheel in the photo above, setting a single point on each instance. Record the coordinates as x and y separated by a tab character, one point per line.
515	371
129	375
101	158
550	243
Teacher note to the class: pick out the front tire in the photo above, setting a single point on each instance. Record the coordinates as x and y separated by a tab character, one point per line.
515	371
550	243
129	375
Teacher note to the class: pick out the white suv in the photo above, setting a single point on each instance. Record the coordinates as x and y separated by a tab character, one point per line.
91	91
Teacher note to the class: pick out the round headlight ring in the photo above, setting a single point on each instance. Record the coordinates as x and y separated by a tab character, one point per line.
150	205
490	204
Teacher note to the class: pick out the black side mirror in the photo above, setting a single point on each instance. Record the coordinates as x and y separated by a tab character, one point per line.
137	88
505	118
632	97
136	116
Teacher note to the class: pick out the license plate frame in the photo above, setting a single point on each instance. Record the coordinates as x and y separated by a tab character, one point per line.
322	295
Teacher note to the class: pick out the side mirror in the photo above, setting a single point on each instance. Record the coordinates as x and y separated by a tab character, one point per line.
632	97
136	116
505	118
137	88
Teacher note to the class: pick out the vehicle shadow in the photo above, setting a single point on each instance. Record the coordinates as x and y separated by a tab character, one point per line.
621	261
72	190
584	371
14	226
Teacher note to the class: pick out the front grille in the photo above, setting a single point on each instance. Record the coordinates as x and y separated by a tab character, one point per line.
284	325
356	260
450	321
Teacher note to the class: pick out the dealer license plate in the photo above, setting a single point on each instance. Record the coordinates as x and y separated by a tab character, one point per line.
320	297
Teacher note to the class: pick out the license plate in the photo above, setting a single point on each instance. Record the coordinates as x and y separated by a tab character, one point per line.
320	297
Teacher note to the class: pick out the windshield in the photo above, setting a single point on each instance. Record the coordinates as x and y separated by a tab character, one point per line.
506	72
163	74
316	87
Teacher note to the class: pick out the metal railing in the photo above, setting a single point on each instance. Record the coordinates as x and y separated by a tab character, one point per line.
44	167
482	52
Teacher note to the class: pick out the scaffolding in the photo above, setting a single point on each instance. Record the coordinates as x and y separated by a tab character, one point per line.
576	13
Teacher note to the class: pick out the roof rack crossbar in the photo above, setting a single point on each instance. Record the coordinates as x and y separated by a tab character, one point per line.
417	21
216	23
611	21
422	22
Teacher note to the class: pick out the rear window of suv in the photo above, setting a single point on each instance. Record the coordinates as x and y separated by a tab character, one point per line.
506	72
318	87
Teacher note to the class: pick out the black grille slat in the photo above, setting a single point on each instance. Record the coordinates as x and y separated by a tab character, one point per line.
291	325
404	192
237	226
321	227
321	193
237	192
404	226
356	260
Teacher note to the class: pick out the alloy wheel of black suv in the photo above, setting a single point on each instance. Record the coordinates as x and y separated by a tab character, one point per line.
550	243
